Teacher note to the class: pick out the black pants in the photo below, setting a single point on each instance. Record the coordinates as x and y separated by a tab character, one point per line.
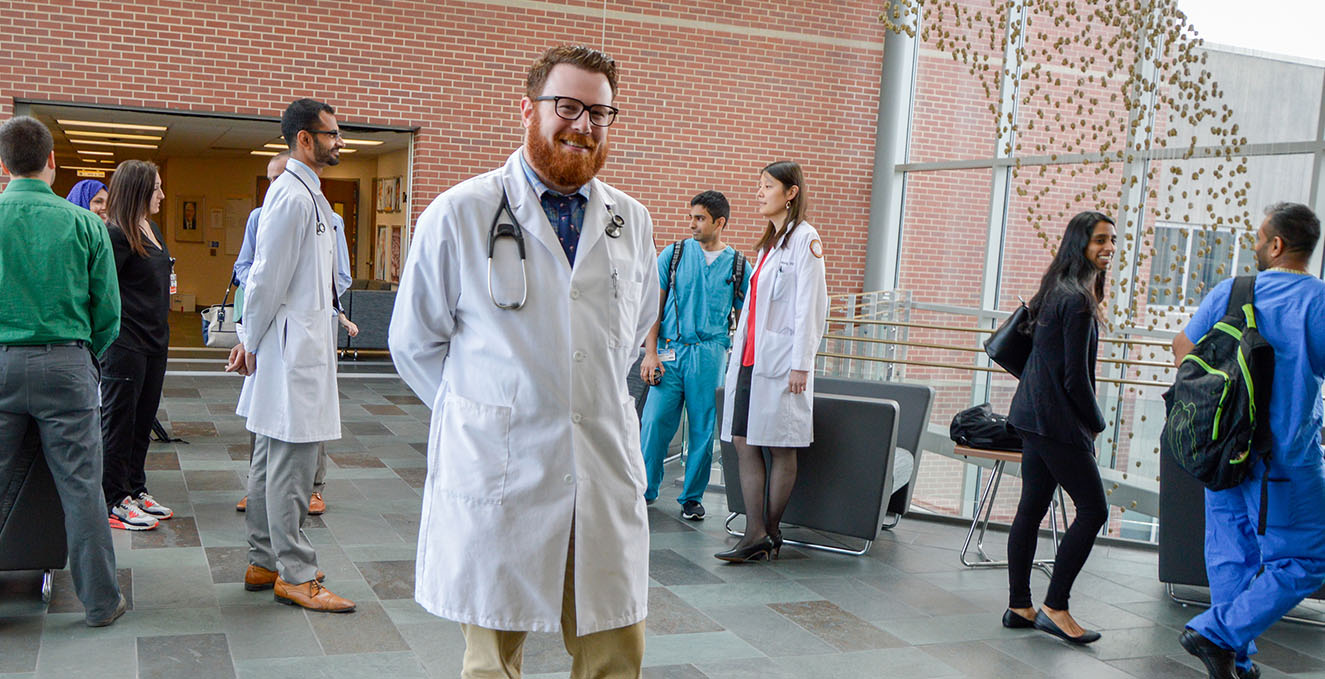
1046	464
130	393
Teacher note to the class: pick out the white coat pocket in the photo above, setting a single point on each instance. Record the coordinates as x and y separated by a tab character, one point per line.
782	302
634	462
473	449
306	342
626	301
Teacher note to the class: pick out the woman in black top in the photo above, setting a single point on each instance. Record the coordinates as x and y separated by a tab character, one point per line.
134	367
1058	418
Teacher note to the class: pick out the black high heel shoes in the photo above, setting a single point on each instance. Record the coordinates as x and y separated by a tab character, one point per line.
757	551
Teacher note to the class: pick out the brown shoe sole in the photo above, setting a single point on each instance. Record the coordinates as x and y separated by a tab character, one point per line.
291	602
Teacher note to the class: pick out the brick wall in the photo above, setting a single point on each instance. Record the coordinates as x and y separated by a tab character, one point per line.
710	91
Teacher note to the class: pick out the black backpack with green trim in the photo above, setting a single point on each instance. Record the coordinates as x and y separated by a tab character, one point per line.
1217	411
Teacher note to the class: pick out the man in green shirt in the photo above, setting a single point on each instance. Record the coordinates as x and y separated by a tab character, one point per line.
61	305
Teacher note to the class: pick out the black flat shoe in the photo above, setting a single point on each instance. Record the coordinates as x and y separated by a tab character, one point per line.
1045	624
758	551
1219	661
1253	672
1014	620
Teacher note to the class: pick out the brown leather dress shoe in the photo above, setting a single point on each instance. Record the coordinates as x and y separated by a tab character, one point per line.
313	596
257	578
316	505
242	506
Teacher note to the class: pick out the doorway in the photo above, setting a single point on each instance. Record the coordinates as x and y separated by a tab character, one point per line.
343	195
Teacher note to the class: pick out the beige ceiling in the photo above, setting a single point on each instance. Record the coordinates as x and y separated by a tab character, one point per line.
187	135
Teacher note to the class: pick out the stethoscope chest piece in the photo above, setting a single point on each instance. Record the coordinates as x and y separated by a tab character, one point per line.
614	226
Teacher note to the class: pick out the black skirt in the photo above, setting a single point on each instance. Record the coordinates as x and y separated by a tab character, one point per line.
741	404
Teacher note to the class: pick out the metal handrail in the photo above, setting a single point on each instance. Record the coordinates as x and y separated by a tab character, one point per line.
980	350
975	368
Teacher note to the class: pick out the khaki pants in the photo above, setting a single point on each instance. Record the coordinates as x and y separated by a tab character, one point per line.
610	654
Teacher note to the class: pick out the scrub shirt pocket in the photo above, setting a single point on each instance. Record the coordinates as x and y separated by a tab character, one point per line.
472	448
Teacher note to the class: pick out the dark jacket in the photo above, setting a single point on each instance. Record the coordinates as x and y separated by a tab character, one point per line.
1056	395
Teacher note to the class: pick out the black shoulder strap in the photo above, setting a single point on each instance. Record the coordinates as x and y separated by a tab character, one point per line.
738	294
677	247
1243	293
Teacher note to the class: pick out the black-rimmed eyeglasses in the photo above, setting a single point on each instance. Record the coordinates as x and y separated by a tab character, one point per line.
570	108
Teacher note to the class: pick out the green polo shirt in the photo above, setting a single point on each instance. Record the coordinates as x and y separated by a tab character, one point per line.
57	270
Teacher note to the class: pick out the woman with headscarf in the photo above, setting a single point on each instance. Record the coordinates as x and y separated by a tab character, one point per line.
90	194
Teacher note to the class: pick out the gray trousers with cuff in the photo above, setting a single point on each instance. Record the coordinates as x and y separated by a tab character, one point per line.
280	481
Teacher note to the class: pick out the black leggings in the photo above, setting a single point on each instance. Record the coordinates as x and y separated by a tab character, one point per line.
130	393
1046	464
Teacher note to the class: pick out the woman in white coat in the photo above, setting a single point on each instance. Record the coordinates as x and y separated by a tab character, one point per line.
769	395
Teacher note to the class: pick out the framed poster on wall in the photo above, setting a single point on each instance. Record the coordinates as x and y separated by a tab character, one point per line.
382	255
188	218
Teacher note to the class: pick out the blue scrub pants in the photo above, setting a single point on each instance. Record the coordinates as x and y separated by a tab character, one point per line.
1255	580
691	380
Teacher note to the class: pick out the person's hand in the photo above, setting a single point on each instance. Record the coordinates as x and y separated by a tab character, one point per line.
241	361
350	328
799	378
650	369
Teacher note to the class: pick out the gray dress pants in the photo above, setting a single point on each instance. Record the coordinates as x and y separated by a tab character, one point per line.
280	481
57	385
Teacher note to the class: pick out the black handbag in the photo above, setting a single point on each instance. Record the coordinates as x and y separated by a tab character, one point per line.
1010	345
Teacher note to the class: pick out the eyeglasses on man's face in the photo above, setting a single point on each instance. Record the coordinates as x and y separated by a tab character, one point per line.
570	108
334	134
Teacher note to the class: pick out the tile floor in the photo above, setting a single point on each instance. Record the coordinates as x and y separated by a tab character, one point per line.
905	610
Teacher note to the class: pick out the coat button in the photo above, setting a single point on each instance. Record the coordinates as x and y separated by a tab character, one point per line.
578	356
576	417
574	293
568	479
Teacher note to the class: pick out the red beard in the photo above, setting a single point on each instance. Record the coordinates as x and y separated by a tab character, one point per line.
559	166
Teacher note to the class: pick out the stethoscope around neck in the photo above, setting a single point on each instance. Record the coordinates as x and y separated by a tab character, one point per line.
510	228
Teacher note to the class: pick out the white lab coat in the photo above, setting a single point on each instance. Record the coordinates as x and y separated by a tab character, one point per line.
532	427
790	313
287	315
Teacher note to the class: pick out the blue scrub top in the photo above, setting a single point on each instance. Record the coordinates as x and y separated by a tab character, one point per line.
1290	314
702	297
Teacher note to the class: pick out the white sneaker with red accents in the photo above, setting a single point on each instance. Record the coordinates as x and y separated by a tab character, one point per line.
149	504
127	516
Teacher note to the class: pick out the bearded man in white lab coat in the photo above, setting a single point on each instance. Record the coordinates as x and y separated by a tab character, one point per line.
533	513
290	397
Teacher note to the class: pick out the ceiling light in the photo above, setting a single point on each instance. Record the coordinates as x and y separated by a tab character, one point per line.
274	145
348	150
112	135
263	153
95	142
94	169
125	126
89	152
364	142
108	162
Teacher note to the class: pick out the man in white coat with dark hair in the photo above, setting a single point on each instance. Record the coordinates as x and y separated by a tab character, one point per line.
525	297
288	355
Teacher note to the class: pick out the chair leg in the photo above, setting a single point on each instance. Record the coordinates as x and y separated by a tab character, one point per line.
986	503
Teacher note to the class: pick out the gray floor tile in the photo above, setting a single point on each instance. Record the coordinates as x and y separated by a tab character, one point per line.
214	480
190	656
389	579
899	662
668	614
678	649
1158	666
367	630
669	568
20	638
842	630
977	659
179	531
269	631
770	632
401	665
92	658
673	672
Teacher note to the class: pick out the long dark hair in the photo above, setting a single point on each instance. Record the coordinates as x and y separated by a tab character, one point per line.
130	200
1071	271
788	174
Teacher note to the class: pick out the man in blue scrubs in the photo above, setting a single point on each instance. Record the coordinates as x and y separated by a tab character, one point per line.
686	350
1255	580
